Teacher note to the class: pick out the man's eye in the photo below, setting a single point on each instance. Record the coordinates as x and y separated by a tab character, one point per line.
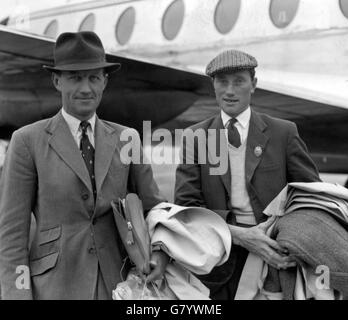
223	81
95	78
238	82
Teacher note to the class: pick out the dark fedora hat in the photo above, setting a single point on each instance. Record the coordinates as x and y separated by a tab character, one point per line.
80	51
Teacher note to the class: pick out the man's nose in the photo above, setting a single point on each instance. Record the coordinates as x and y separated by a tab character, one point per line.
85	86
230	89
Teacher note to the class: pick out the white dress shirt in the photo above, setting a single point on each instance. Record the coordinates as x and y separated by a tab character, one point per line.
240	200
242	123
74	126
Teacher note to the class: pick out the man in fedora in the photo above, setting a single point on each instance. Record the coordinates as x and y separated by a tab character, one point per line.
263	154
67	170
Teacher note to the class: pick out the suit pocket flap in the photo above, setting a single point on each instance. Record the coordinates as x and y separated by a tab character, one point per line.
268	167
49	235
43	264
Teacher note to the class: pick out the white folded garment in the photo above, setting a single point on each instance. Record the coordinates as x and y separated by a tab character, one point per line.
197	239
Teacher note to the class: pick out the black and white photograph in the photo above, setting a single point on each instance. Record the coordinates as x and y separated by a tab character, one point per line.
193	151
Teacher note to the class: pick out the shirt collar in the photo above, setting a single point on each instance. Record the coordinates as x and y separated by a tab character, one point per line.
243	118
74	123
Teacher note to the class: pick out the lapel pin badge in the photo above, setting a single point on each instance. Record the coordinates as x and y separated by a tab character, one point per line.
258	151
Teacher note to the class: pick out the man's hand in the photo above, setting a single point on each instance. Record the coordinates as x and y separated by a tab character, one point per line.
255	240
158	264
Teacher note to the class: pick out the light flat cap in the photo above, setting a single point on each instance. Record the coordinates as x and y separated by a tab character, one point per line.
230	60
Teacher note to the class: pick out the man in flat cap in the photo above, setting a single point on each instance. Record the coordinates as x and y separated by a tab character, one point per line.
67	170
263	155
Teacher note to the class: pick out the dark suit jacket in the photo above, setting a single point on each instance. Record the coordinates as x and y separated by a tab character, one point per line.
284	159
44	173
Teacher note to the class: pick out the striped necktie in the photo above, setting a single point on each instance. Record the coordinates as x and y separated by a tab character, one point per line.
87	152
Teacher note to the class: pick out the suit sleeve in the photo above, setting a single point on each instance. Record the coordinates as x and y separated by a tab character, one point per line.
141	180
18	185
300	166
188	184
188	191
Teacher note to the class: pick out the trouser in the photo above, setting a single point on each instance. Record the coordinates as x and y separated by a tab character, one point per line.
220	288
101	292
228	290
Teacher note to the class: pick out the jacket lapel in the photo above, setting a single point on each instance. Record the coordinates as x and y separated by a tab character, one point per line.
256	142
105	142
221	150
62	141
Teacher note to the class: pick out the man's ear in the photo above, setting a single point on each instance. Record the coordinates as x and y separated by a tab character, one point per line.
56	80
254	84
106	79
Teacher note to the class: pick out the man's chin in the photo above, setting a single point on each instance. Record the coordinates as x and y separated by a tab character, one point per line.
232	109
85	111
86	105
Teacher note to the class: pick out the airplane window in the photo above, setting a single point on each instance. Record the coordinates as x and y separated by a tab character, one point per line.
125	26
173	19
88	23
282	12
226	15
344	7
51	29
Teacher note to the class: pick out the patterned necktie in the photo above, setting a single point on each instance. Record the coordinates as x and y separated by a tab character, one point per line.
87	152
233	134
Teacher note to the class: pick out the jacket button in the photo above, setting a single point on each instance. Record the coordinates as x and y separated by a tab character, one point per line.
85	196
91	250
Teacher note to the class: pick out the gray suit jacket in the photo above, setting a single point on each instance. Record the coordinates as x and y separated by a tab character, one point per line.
284	159
44	173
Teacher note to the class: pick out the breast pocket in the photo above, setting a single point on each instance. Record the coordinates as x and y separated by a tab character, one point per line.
45	253
269	166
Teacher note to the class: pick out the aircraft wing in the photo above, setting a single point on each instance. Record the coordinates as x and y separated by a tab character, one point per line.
319	106
139	91
326	89
174	98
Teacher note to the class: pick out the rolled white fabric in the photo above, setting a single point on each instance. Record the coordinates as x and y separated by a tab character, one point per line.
197	238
